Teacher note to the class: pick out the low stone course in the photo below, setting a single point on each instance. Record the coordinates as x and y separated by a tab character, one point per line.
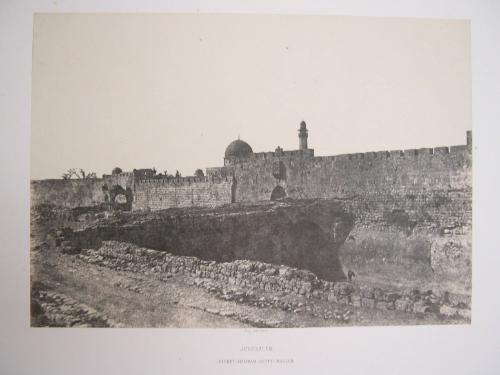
267	277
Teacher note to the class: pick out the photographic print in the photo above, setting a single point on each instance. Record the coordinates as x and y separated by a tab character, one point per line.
235	171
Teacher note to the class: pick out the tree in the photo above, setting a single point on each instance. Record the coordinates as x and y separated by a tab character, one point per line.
82	175
70	173
199	173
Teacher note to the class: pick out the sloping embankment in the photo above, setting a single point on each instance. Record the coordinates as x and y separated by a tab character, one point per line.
305	234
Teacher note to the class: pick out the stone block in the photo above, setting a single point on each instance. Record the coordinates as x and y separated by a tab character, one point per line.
366	293
404	304
356	301
464	313
343	289
448	311
368	302
421	307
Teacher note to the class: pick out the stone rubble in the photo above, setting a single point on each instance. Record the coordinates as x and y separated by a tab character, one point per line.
59	310
239	280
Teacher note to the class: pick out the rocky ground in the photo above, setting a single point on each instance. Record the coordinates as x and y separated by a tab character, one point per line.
97	289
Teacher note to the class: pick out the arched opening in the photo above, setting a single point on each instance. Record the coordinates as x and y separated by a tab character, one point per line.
119	198
310	247
278	193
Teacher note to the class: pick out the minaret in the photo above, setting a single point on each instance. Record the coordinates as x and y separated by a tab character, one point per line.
303	136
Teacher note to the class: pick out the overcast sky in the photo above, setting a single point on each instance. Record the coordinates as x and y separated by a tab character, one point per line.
172	91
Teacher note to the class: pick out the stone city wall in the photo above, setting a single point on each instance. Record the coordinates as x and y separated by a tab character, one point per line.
161	193
398	173
67	193
410	180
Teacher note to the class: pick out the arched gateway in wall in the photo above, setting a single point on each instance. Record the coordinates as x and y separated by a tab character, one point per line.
117	196
278	193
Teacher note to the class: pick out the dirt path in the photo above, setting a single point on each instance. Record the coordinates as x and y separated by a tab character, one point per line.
138	300
131	300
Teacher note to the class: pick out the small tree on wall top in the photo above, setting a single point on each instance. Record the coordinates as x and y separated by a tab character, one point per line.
82	175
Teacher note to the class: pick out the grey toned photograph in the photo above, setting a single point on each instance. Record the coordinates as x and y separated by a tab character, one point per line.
230	171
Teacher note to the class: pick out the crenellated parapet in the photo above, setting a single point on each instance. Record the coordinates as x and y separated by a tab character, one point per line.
258	157
407	154
180	181
124	180
305	153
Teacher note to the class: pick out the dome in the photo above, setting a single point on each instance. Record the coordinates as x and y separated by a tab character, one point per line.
116	170
238	149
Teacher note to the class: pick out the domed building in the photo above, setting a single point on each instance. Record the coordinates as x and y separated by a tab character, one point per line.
237	149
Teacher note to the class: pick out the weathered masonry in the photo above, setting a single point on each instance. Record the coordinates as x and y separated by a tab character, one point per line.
380	178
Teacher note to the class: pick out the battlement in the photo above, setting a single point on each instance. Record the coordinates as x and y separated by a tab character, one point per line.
117	175
217	172
372	155
408	153
281	153
178	181
270	155
264	156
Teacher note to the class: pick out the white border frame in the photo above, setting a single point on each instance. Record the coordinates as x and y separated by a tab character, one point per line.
385	350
